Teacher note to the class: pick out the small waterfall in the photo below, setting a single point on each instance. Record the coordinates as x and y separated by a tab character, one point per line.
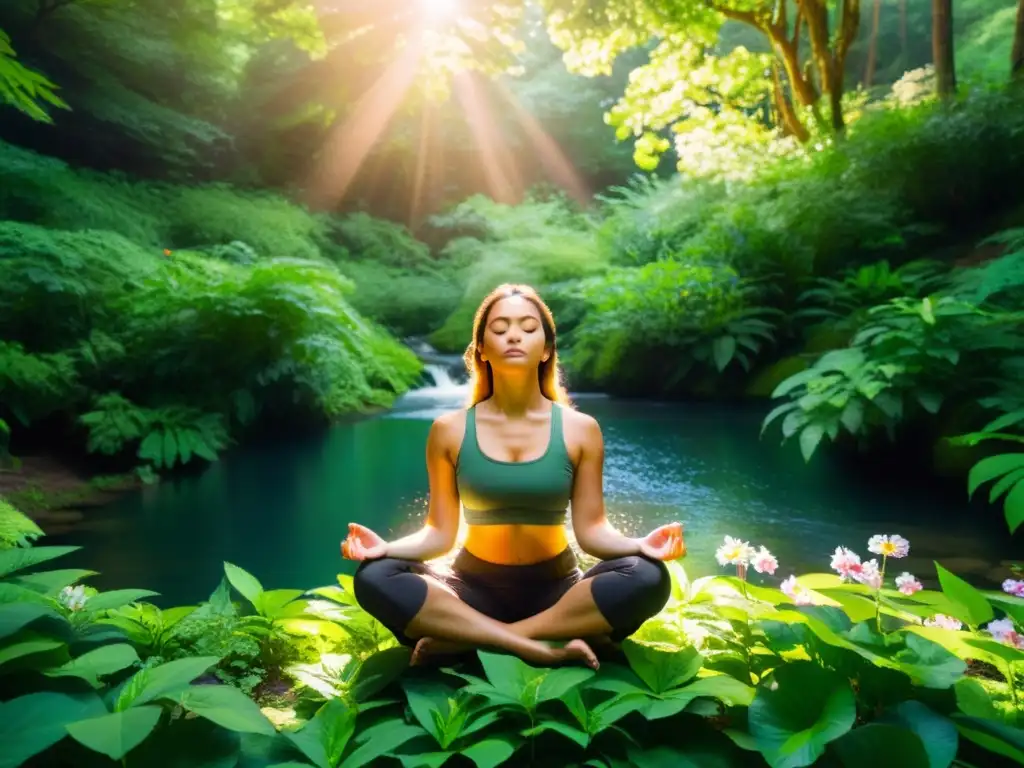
443	381
444	384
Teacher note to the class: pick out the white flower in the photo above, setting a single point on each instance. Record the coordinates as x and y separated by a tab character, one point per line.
734	552
907	584
799	594
1005	632
889	546
764	561
869	575
1015	588
846	563
73	598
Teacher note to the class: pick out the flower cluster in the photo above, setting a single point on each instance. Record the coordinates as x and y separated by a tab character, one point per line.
1003	631
73	598
797	593
741	554
1015	588
848	565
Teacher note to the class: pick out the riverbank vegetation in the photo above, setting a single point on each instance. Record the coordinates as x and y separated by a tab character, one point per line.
826	669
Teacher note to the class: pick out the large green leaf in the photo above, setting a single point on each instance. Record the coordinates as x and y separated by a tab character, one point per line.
380	740
662	668
105	660
324	738
929	663
970	605
106	601
937	733
27	644
248	586
15	616
117	733
882	745
20	558
29	724
798	711
492	751
378	671
164	680
50	582
226	706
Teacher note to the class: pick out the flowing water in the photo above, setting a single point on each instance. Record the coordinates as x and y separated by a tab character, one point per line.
280	509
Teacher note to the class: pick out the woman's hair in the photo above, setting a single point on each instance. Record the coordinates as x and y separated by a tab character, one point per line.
481	378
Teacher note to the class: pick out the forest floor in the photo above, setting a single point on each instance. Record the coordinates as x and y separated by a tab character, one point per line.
56	495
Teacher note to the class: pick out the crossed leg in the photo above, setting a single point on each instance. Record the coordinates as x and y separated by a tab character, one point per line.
610	602
395	590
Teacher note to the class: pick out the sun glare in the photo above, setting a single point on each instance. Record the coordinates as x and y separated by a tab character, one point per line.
440	8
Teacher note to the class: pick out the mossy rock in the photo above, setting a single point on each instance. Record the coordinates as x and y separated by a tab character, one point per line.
768	378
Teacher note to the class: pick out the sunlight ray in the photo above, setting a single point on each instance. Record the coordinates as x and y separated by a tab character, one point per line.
503	179
557	164
350	143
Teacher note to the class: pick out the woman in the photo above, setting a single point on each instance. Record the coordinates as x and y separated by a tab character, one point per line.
515	460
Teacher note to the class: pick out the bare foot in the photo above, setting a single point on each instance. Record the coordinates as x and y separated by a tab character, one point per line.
427	647
578	650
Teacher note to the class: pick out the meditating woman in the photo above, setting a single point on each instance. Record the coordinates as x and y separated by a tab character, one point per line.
517	459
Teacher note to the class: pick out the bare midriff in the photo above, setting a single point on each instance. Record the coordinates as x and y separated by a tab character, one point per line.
516	544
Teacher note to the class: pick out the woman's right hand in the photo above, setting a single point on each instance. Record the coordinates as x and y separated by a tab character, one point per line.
363	544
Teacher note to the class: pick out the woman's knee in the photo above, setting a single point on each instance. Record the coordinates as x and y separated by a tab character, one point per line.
631	590
390	591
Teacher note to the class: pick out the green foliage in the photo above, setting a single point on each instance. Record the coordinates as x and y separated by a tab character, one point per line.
822	669
216	341
651	327
540	242
16	530
910	356
23	88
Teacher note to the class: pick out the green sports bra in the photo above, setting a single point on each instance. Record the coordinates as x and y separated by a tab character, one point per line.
533	492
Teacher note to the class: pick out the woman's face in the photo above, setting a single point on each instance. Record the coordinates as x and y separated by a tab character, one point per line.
514	336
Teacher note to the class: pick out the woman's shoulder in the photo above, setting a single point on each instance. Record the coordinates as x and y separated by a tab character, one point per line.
580	429
448	428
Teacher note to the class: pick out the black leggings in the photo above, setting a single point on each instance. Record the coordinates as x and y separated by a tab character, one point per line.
627	590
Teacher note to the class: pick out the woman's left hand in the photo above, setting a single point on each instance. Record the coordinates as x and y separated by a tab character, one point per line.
664	543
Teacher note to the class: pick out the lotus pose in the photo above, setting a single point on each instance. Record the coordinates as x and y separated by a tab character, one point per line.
516	459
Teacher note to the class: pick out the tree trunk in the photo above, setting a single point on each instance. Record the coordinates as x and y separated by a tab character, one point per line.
1017	57
942	47
869	69
790	122
830	57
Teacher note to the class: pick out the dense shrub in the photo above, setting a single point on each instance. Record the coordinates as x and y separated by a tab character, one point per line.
173	352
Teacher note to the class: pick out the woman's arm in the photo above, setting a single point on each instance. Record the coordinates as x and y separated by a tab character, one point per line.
594	533
437	536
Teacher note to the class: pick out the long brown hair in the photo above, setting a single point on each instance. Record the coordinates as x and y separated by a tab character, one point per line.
481	378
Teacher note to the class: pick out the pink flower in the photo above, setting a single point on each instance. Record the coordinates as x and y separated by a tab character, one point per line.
846	563
869	575
907	584
799	594
1005	632
764	561
734	552
889	546
1015	588
942	621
